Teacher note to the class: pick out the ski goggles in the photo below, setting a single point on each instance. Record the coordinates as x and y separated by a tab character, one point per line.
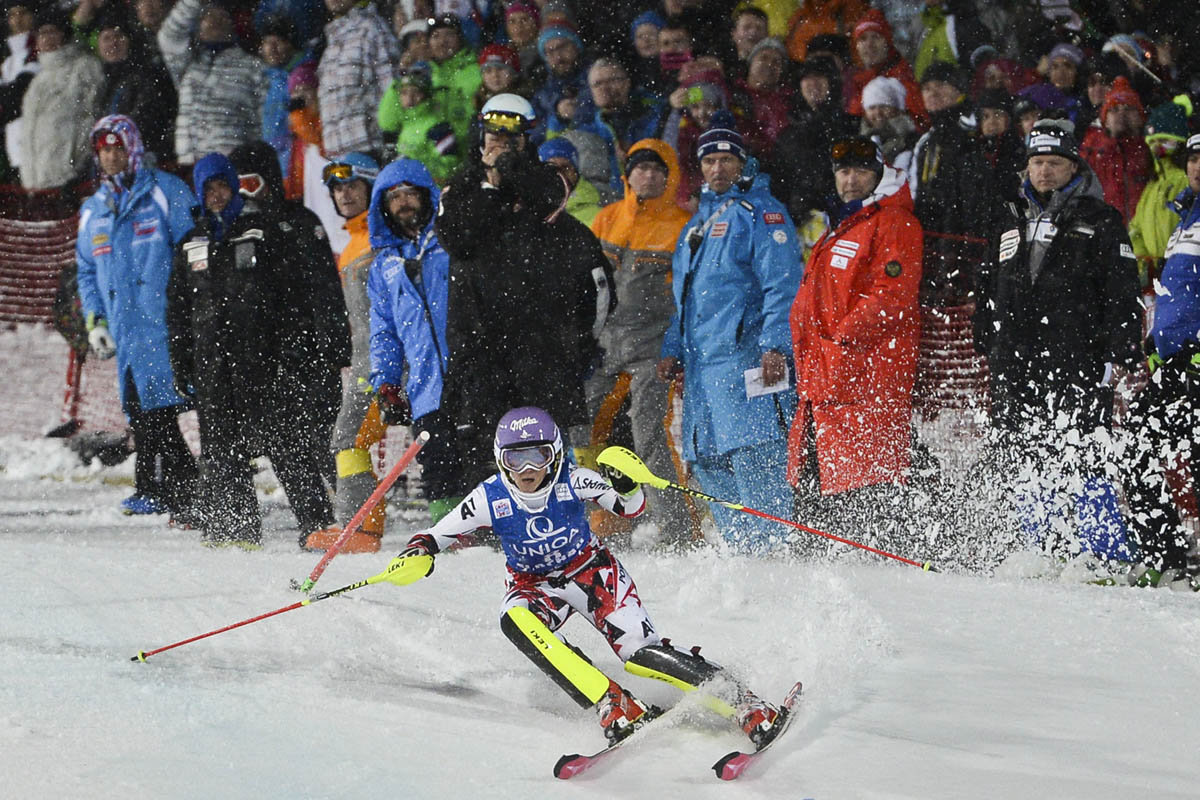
855	152
527	458
501	122
251	185
337	172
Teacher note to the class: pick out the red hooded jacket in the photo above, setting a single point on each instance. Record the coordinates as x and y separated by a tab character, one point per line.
855	330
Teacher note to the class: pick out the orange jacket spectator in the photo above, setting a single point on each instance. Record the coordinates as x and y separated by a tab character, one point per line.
891	65
644	225
855	330
360	241
815	17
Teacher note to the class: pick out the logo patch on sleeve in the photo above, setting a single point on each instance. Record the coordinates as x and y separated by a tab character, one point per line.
502	508
1010	241
780	237
719	229
892	269
1126	251
562	492
772	218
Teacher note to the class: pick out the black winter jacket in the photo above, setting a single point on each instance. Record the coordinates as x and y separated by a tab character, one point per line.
1049	338
527	296
951	180
234	324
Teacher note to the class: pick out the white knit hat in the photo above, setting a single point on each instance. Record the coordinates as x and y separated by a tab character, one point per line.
884	91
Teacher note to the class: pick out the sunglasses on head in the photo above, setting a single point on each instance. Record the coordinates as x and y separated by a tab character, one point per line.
527	458
858	149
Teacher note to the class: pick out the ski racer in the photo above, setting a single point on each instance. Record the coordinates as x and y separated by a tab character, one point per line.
557	567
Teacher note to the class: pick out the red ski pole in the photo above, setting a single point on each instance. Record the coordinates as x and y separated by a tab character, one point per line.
144	654
401	573
362	513
628	463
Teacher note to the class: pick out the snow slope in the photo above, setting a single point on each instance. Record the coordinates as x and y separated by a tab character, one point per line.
917	685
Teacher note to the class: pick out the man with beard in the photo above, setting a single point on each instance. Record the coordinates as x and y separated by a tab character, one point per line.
408	290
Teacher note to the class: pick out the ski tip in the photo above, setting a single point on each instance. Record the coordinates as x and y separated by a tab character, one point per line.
731	766
568	766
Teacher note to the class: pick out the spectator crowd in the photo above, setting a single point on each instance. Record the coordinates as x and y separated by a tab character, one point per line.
709	230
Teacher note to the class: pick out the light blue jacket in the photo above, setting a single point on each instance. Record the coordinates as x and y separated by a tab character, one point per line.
408	320
732	298
124	251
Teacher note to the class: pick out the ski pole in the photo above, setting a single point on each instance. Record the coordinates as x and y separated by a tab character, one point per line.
403	573
627	462
357	520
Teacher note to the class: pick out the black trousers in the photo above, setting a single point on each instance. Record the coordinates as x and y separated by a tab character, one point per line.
442	474
229	439
164	467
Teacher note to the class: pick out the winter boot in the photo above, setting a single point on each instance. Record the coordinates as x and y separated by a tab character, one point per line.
247	539
756	718
620	713
360	541
143	504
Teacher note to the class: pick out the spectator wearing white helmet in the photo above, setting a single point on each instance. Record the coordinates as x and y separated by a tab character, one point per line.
531	287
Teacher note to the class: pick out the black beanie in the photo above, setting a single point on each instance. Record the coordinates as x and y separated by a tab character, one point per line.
996	98
642	156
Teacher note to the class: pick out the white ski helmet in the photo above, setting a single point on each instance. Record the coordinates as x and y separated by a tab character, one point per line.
507	113
528	438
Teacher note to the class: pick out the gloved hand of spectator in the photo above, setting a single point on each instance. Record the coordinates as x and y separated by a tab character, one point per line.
394	408
183	387
102	342
624	484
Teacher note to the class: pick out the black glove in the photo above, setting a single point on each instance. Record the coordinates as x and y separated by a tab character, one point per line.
421	544
624	484
393	405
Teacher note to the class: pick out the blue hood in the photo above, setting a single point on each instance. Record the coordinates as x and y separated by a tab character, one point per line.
404	170
216	165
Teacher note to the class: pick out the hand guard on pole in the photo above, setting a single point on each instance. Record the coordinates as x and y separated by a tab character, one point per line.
403	570
394	408
624	484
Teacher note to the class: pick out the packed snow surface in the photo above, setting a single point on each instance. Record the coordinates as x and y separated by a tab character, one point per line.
917	685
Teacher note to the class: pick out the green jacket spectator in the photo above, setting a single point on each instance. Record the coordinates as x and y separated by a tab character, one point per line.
413	113
1154	219
455	71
